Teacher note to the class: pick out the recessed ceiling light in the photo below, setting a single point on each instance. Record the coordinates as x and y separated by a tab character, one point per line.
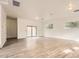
37	18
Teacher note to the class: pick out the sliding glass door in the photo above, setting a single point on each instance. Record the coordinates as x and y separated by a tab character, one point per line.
34	31
31	31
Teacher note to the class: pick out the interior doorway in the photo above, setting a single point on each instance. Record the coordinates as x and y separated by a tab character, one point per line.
11	25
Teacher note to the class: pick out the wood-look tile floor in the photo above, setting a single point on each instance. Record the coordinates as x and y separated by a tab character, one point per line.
40	48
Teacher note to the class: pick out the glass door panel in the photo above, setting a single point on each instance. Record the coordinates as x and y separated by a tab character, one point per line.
34	31
29	31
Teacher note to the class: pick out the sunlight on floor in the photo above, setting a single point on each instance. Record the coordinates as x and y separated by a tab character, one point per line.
67	51
31	42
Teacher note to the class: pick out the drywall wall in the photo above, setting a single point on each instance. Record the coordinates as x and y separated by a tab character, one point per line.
22	27
2	26
59	30
11	28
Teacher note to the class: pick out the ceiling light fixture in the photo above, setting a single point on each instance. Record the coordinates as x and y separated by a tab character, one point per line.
37	18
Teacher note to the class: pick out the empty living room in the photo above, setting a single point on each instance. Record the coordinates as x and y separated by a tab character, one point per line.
39	29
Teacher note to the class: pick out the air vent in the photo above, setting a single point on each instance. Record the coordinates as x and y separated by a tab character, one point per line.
76	10
16	3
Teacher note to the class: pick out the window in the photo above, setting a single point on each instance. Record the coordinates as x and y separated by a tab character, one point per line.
31	31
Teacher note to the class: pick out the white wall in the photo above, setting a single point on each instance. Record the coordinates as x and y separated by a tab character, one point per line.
2	26
59	30
11	28
22	25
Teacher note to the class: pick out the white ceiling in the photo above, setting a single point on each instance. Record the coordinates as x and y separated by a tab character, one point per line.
32	9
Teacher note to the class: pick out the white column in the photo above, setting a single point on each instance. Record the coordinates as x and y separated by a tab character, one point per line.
2	26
